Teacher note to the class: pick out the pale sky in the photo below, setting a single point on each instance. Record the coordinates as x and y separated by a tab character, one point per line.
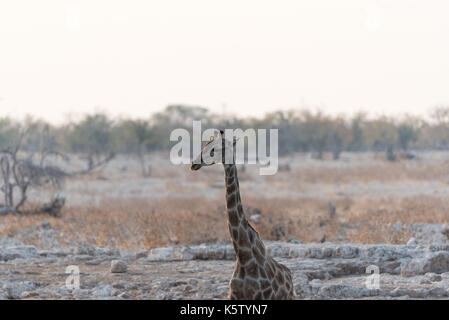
132	58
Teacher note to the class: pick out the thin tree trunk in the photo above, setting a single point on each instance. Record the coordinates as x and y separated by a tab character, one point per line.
141	156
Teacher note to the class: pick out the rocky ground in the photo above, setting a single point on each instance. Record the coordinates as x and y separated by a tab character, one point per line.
418	270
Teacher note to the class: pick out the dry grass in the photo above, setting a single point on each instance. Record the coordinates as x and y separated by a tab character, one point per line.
187	214
384	172
137	223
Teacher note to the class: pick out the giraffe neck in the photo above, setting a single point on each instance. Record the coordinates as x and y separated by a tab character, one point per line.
243	236
233	200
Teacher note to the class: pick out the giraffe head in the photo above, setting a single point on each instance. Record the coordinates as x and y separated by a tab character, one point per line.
216	150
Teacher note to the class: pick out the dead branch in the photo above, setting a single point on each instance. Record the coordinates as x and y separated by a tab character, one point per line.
95	164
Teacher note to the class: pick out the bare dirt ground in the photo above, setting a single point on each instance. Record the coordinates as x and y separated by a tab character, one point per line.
390	215
320	271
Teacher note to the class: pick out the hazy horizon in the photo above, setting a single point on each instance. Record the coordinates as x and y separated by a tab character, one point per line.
132	59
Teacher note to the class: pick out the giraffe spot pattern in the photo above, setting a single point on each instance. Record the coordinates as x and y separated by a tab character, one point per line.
231	188
275	286
258	296
258	256
270	271
244	256
243	238
262	273
241	273
252	269
260	246
233	219
251	237
279	277
236	284
251	287
235	234
265	284
256	275
231	204
267	293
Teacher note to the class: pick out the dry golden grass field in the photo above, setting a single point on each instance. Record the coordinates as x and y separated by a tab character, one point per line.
119	207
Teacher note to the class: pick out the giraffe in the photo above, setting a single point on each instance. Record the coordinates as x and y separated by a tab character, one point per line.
256	274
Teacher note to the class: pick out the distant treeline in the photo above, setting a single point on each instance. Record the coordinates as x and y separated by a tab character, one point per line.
299	130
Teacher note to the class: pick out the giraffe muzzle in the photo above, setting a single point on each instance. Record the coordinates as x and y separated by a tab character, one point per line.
195	166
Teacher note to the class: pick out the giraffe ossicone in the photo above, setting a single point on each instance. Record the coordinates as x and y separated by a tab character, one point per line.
256	274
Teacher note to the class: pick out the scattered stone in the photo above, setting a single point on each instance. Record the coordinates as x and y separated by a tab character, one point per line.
80	293
118	266
60	253
347	251
412	267
433	277
18	252
94	262
106	251
142	254
425	281
255	218
412	242
83	251
436	262
346	291
174	240
103	291
160	254
119	285
46	225
437	292
302	287
124	295
183	253
320	271
214	252
18	290
190	288
115	292
82	258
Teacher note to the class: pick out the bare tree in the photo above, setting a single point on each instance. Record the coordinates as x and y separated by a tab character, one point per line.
336	146
138	137
20	173
92	137
391	156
